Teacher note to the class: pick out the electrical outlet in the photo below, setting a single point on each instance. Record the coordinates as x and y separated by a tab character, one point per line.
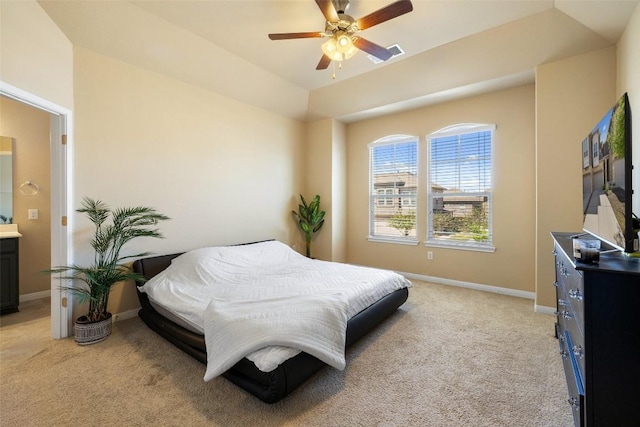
429	255
33	213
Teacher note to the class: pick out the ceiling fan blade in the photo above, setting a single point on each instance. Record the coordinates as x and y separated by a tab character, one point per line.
372	48
391	11
324	63
328	10
286	36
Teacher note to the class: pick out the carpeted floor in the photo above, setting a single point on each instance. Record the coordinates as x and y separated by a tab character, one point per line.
449	357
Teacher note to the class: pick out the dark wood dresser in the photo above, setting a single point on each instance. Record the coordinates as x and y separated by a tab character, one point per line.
598	330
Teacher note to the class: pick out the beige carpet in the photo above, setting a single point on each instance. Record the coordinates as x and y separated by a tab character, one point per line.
448	357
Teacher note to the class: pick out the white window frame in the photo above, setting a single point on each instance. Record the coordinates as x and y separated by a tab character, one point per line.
372	237
460	129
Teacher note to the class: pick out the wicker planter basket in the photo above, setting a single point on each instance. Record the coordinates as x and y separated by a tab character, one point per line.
87	332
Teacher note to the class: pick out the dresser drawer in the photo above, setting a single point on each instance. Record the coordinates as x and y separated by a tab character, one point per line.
563	269
574	383
571	333
570	285
575	295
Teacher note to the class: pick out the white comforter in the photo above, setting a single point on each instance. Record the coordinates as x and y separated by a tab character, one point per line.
266	302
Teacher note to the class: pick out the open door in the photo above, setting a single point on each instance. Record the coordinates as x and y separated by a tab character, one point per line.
60	149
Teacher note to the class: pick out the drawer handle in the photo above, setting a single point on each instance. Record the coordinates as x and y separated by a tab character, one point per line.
577	351
564	313
574	402
575	294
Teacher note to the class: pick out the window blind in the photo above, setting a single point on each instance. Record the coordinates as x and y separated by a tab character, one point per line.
460	185
393	166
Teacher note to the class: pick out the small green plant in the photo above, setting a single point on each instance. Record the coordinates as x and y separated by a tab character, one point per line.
403	222
310	219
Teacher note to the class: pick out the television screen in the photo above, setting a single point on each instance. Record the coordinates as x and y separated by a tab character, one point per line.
606	178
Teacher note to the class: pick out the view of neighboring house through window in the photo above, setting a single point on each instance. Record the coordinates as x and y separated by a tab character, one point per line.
459	189
393	172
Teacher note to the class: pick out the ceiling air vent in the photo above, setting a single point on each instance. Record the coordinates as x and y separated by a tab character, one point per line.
395	49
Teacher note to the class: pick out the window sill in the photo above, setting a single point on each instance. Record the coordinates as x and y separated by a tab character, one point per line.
461	246
378	239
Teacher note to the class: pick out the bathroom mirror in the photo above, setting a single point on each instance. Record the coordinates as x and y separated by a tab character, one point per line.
6	180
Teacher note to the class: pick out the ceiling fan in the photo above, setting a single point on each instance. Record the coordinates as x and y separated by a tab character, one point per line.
342	30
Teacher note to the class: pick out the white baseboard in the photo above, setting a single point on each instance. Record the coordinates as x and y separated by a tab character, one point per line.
46	294
34	296
545	310
486	288
125	315
471	285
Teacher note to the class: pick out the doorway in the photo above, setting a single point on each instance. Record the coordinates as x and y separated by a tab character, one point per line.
60	178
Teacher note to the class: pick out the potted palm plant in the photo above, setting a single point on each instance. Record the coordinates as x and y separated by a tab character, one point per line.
310	218
92	284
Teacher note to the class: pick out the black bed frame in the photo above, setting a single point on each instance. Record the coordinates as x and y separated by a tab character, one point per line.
269	387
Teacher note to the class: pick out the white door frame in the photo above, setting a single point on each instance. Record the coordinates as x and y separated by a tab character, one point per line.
60	158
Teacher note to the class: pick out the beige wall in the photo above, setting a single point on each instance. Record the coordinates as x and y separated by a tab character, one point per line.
36	56
318	176
628	80
326	175
225	172
512	264
29	128
339	192
572	95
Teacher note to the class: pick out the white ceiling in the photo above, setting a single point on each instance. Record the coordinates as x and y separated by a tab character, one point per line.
223	45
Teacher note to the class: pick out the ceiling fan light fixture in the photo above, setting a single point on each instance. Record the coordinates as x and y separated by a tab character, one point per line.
343	42
330	48
339	47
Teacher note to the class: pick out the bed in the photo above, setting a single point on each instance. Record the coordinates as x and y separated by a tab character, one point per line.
188	293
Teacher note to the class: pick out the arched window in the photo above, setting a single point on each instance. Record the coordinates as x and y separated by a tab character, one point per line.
459	187
393	184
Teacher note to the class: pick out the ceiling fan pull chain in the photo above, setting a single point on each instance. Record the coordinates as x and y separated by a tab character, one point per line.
333	76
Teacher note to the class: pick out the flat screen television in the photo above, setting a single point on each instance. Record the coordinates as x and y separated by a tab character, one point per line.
606	180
